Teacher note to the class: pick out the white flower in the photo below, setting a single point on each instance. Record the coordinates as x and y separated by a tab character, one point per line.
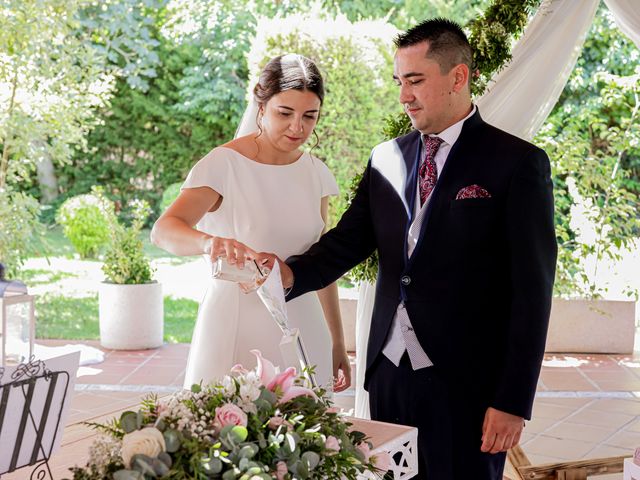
148	441
249	392
229	386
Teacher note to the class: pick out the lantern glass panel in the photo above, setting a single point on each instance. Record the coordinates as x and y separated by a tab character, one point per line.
18	332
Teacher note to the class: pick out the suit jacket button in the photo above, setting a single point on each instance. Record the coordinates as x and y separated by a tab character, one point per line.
405	280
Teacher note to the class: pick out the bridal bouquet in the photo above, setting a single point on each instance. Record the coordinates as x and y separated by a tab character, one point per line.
251	425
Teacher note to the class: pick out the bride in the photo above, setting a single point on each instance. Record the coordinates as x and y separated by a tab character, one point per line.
261	191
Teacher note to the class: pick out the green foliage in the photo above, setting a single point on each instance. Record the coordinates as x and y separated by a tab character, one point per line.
491	35
53	85
20	229
215	83
593	140
406	13
125	261
169	195
144	143
122	36
85	220
353	102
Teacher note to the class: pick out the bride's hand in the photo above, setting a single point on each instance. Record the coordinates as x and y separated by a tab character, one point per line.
341	369
235	251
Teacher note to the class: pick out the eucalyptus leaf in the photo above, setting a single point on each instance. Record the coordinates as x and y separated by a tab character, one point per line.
159	467
248	451
212	465
127	475
311	458
129	421
230	474
165	458
239	433
161	425
144	464
172	439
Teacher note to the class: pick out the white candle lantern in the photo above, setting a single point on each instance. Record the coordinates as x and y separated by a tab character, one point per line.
17	321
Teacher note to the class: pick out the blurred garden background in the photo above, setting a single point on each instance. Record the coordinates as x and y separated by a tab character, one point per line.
106	105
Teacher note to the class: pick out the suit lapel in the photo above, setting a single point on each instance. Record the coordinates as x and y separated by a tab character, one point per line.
410	148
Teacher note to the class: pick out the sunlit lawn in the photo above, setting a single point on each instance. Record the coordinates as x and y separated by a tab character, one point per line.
76	318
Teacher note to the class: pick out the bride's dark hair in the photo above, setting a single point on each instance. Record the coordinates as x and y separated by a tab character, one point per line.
288	72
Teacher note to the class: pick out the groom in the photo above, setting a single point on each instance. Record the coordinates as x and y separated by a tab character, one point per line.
461	214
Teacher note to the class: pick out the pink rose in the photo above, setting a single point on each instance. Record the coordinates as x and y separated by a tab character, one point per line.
366	450
382	461
230	414
281	470
332	443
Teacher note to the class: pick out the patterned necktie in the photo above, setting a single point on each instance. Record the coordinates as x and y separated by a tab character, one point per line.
428	171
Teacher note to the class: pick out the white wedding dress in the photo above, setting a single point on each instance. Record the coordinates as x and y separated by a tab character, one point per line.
270	208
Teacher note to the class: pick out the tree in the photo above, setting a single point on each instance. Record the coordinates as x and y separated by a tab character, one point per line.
52	84
593	139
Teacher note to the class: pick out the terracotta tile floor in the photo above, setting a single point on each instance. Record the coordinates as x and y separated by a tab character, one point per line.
587	406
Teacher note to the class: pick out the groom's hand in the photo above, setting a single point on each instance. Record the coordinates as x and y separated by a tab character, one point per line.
269	259
500	431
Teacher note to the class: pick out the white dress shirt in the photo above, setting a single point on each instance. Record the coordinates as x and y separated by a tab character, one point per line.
395	345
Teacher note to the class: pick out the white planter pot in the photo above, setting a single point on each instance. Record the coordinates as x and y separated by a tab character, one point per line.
591	326
131	316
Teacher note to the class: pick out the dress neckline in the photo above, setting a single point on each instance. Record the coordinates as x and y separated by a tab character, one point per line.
296	161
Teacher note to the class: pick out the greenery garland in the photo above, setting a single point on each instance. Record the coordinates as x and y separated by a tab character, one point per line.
490	37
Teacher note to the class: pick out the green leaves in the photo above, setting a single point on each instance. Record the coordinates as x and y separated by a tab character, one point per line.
130	421
20	229
86	222
125	261
491	35
593	140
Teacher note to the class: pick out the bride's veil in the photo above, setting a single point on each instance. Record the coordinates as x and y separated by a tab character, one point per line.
248	123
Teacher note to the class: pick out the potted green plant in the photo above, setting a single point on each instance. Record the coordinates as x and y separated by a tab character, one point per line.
131	311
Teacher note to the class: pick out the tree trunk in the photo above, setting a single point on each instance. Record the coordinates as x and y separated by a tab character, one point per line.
47	180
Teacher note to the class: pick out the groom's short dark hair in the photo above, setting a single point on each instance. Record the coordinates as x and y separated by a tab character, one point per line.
448	44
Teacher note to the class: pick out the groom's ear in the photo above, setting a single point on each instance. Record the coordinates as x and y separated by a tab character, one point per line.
461	77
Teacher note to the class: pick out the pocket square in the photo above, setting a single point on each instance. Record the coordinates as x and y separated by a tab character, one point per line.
472	191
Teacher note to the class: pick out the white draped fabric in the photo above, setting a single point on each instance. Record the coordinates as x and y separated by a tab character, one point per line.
521	96
518	100
627	16
364	311
248	123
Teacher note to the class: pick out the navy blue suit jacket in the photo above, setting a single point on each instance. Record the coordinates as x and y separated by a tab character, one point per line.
478	285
